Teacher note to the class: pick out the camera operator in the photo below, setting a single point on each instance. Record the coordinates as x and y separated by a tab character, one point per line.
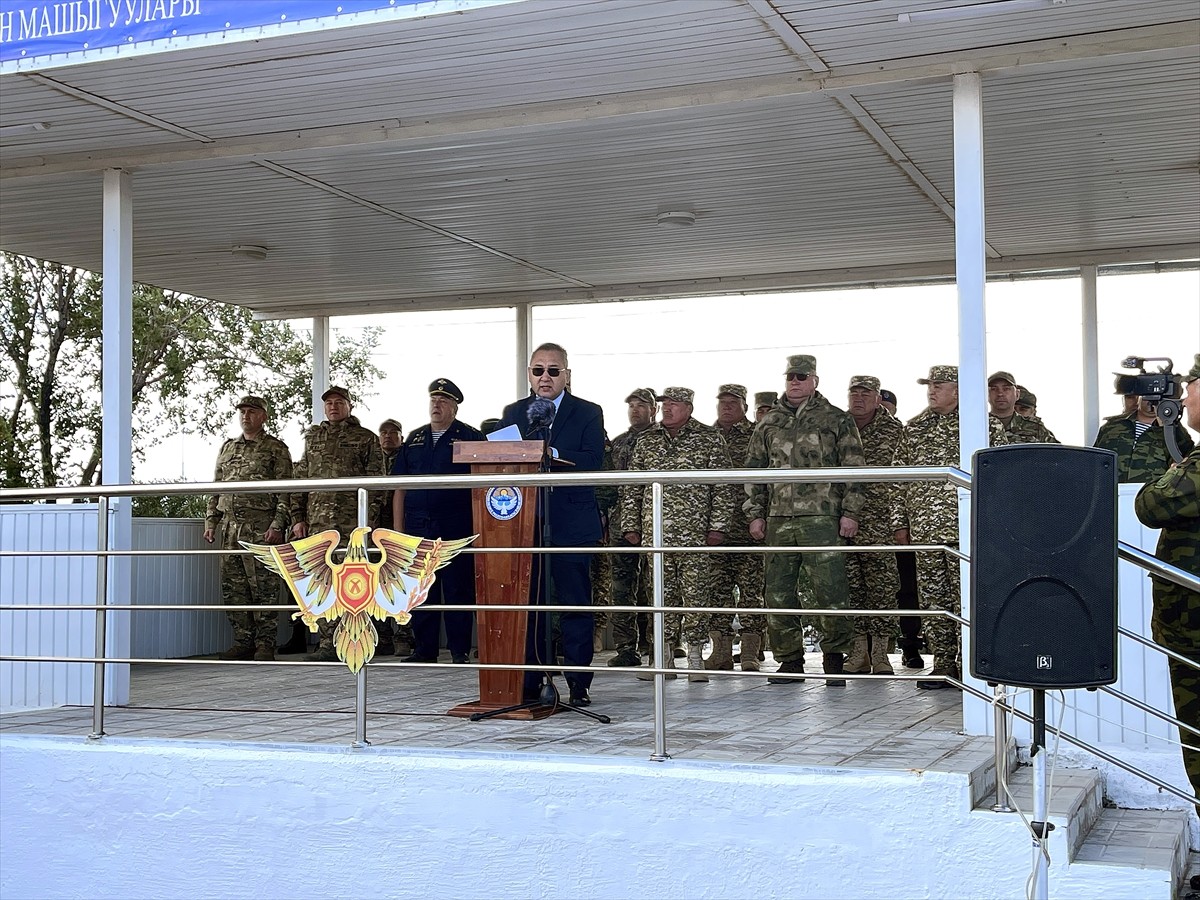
1139	442
1172	503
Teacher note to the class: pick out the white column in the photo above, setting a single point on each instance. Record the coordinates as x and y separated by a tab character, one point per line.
117	411
1091	356
524	337
320	380
970	265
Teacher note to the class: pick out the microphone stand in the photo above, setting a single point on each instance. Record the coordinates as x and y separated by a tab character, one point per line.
548	695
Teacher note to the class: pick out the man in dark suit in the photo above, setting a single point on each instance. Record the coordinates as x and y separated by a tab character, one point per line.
576	436
439	514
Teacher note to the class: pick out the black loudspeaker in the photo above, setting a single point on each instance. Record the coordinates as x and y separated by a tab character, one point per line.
1044	566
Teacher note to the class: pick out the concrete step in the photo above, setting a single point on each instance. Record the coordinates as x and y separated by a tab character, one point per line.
1074	805
1152	840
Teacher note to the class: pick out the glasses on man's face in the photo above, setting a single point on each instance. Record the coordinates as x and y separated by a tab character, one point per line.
552	371
797	376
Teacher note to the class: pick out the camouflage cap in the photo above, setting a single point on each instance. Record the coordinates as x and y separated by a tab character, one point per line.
801	364
887	396
335	391
1194	373
1002	376
444	387
253	402
941	375
735	390
678	394
1026	397
765	398
870	382
646	395
392	422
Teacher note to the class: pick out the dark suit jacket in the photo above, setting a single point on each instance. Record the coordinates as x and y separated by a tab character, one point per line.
428	512
578	436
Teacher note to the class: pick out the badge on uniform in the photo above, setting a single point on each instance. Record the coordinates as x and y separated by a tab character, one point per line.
356	590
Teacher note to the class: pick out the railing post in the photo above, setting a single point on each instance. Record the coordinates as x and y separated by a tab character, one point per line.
660	626
360	678
101	620
1000	711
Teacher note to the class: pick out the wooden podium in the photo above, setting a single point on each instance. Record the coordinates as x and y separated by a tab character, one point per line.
503	517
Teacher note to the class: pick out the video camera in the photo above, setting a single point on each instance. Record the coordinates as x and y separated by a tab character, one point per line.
1162	389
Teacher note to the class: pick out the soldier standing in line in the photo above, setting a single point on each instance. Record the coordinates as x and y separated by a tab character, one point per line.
926	512
906	597
1172	503
630	586
606	501
339	447
1002	398
255	518
887	400
694	515
803	430
1026	403
1139	442
391	435
743	571
763	401
873	577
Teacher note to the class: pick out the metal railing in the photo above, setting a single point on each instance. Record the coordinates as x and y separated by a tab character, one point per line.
1003	709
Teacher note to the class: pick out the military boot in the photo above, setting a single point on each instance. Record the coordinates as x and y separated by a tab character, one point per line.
858	662
324	653
695	657
750	645
669	664
238	651
880	664
722	653
265	651
834	664
298	643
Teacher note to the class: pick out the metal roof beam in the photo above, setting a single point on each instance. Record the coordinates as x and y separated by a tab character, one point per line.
1150	42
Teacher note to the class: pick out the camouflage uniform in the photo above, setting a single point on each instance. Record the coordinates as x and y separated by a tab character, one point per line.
1027	430
815	435
1172	503
929	510
873	577
606	499
338	450
247	517
629	586
1141	459
741	570
690	511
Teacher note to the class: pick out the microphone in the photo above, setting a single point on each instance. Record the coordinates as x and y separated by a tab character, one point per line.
540	412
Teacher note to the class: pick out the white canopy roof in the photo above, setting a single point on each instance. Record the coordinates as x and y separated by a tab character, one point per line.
523	152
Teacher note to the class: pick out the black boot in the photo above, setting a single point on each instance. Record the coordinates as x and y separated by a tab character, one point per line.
834	664
299	640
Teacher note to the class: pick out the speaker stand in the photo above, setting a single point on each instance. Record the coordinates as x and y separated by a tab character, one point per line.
1039	826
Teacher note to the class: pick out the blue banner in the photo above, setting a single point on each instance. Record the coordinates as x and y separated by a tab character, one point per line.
31	29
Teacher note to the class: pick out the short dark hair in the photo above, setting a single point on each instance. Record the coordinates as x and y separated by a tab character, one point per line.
551	347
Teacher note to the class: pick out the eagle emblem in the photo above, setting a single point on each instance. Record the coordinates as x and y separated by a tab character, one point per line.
356	590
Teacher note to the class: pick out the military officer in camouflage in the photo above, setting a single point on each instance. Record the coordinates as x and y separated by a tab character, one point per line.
255	518
628	586
1172	503
1026	402
1140	444
763	401
339	447
694	515
391	436
926	512
804	430
873	577
740	571
1002	398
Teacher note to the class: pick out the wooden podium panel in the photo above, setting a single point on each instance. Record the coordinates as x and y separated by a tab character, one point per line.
503	517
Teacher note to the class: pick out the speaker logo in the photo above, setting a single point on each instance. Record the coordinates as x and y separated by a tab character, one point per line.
1045	662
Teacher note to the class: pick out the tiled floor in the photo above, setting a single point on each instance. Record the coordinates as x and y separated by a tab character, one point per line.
874	723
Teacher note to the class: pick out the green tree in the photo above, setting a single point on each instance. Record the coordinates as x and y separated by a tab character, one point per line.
192	359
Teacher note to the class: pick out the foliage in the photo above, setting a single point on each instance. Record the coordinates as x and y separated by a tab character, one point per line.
192	359
170	506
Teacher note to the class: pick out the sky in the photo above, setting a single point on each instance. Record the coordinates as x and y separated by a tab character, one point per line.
1034	330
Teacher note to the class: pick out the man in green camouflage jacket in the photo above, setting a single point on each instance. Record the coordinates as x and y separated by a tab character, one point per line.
926	512
694	515
873	577
1003	394
254	518
743	571
339	447
803	430
1140	443
1172	503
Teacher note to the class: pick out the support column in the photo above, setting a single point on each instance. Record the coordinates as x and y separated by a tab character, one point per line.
320	379
524	337
970	265
1091	355
116	380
